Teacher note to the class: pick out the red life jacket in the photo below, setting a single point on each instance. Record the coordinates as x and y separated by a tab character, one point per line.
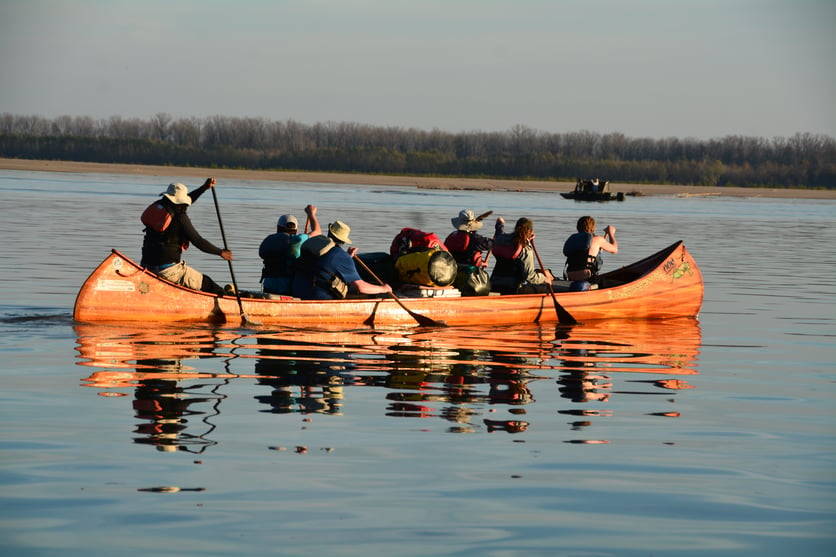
412	239
457	243
507	250
158	217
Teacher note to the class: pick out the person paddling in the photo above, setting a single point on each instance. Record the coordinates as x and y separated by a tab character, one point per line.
326	271
280	251
582	251
169	231
515	271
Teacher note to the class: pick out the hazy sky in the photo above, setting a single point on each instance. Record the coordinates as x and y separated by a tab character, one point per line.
645	68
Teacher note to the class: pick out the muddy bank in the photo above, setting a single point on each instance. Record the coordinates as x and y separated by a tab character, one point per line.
413	181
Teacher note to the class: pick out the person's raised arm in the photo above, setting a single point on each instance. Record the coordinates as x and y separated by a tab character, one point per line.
316	230
499	227
209	183
609	244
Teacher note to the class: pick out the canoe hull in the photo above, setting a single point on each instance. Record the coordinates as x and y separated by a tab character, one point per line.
665	285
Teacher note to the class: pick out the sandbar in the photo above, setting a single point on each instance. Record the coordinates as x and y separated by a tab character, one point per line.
441	183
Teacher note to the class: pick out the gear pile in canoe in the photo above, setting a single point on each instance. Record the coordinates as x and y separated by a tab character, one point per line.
667	284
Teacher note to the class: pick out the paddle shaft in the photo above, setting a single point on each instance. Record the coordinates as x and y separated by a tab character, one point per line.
421	319
563	316
226	247
481	217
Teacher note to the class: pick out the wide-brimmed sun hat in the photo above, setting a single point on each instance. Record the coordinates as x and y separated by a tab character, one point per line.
288	221
339	230
466	221
178	194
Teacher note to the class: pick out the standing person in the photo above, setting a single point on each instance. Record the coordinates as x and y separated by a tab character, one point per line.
281	250
583	253
169	231
516	270
326	272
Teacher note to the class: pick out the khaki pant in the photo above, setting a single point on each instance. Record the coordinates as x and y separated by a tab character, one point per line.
180	273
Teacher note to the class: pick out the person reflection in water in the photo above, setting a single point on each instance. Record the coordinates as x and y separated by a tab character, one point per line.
583	386
284	368
164	406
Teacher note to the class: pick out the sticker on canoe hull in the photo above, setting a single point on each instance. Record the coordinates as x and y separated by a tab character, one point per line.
114	285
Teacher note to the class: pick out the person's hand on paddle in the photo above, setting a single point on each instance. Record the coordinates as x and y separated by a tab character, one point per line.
210	182
367	287
310	210
609	231
226	254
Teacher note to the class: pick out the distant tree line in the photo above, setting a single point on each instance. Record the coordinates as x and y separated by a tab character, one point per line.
802	161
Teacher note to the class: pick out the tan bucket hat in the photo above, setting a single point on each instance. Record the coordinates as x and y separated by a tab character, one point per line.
466	221
178	194
339	230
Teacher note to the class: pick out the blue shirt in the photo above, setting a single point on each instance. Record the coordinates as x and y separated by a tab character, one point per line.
310	284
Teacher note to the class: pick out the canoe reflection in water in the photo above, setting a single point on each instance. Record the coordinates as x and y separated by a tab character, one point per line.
645	347
475	379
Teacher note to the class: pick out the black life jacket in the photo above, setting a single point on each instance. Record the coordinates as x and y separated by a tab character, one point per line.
507	275
310	265
576	250
280	253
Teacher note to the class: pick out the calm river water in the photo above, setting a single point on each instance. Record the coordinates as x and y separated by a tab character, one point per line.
708	437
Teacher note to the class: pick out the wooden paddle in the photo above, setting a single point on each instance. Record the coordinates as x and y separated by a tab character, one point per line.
421	319
244	319
563	316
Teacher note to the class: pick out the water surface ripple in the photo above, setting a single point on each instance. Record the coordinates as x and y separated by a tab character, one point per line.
696	437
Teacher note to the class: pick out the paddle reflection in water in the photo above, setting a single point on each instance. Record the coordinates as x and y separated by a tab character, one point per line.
477	379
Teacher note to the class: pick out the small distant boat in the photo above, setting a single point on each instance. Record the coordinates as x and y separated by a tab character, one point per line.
667	284
593	190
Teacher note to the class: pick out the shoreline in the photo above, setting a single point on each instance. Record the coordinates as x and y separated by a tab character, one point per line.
440	183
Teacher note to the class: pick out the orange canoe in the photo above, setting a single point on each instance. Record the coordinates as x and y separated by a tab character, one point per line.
664	285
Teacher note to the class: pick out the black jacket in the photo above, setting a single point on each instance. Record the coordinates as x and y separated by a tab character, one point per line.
160	248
